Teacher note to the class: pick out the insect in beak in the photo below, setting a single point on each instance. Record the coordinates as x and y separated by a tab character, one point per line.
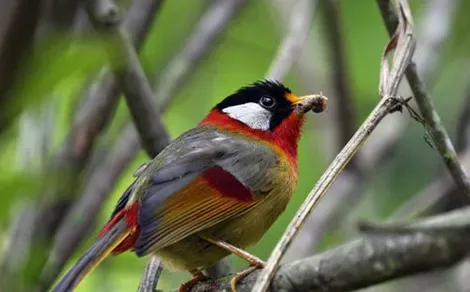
316	103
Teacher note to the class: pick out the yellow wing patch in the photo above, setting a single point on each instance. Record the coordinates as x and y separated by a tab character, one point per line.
196	207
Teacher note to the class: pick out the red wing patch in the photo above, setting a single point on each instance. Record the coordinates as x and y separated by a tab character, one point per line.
226	184
130	214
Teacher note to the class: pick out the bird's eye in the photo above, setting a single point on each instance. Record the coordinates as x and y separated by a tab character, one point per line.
267	101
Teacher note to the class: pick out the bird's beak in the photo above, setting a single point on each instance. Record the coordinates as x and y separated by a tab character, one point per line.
316	103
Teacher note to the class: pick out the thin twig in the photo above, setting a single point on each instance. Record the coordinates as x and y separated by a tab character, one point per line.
437	131
370	259
434	124
390	80
432	32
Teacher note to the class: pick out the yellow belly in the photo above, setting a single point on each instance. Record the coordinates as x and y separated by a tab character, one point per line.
192	252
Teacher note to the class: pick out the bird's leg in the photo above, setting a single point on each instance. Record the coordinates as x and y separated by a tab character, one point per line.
197	276
240	275
255	262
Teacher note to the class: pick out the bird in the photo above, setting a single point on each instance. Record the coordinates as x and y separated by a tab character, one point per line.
214	190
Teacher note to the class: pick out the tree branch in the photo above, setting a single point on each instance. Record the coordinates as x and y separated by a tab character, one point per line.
432	120
437	242
403	41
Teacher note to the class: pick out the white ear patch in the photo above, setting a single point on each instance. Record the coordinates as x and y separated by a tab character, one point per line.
251	114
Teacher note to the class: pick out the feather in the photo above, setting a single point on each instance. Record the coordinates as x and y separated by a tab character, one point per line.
188	194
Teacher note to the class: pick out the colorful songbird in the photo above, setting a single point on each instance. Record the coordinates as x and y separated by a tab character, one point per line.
214	190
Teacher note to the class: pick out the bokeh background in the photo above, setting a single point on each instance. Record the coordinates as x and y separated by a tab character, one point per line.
59	68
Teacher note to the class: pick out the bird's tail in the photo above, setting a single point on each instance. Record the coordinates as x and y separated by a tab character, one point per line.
102	247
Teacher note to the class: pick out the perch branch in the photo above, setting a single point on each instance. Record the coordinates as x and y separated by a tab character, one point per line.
152	272
437	242
403	42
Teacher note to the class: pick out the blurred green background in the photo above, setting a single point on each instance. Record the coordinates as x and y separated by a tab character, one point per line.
242	55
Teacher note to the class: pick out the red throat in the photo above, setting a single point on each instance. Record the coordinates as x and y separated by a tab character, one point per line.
285	136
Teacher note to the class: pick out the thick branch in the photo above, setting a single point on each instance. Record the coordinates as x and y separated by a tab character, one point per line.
438	242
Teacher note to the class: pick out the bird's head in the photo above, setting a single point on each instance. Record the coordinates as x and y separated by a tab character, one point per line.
267	110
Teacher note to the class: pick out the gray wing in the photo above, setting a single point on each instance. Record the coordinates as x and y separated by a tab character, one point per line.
250	162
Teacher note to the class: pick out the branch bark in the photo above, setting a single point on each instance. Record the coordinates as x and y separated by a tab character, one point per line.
437	242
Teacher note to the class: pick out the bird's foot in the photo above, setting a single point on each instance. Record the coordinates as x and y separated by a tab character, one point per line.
242	274
198	276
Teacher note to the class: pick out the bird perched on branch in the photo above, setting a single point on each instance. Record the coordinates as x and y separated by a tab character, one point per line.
214	190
